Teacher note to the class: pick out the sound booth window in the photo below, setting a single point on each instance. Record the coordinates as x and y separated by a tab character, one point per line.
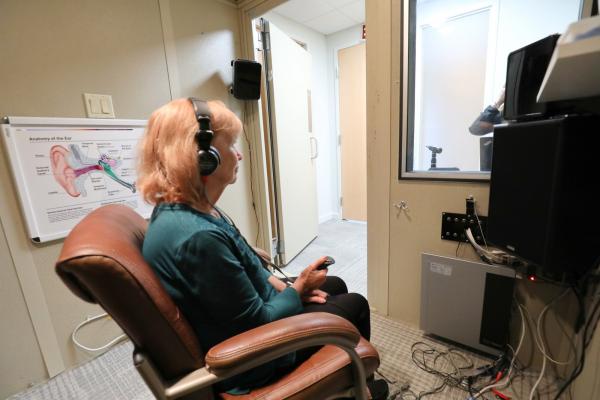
456	74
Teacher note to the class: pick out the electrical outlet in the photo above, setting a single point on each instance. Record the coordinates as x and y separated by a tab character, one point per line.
454	226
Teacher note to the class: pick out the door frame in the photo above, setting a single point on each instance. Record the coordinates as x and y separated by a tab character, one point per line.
249	10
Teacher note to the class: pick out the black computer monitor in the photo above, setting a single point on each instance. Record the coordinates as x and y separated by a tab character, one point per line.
525	72
542	206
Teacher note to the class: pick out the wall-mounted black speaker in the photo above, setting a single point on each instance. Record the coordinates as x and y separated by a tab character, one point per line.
246	79
542	207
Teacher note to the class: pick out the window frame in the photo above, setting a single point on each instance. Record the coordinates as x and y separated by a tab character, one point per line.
408	42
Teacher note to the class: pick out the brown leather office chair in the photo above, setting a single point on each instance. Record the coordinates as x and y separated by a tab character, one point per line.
101	262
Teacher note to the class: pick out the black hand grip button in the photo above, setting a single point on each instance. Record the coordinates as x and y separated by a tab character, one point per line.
328	261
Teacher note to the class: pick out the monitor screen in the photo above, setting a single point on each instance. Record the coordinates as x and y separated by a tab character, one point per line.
524	74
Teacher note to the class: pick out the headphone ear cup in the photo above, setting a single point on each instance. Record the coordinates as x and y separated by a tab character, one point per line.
208	161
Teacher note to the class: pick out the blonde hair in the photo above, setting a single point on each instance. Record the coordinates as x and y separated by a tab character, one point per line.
167	155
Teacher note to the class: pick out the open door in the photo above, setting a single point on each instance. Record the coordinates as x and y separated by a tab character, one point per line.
293	146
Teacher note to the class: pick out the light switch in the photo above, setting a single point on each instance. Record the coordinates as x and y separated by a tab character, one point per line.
98	105
94	105
106	106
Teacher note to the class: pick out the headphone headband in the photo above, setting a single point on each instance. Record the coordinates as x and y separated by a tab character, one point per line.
204	135
200	108
208	156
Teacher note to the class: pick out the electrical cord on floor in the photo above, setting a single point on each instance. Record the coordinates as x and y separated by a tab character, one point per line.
427	358
507	378
87	321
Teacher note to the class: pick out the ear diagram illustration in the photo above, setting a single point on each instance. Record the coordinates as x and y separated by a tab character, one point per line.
71	168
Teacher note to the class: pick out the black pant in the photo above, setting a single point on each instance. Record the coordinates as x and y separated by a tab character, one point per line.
351	306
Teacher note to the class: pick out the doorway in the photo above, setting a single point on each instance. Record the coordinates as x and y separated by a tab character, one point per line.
317	123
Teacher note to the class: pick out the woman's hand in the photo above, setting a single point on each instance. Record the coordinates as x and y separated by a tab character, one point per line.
277	283
315	296
310	279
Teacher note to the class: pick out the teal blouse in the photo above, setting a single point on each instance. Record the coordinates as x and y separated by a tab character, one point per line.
217	281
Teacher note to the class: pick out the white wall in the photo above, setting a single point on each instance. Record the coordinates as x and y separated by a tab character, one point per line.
321	113
52	53
206	38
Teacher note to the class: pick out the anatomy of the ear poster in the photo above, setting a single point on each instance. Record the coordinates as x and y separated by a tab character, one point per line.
63	173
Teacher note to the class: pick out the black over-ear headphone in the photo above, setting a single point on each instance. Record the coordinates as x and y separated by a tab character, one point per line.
208	156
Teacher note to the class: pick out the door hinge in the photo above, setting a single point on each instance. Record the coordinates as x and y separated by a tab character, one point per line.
341	201
339	140
264	29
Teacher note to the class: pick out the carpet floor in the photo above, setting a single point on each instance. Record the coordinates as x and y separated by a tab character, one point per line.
113	376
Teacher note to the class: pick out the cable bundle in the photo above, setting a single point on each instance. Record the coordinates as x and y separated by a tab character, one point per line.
461	374
455	369
492	256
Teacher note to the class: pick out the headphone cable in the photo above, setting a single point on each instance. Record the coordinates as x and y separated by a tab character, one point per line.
230	222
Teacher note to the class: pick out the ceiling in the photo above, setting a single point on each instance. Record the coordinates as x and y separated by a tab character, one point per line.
325	16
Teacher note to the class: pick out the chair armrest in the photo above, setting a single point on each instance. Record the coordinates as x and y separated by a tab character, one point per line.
282	336
258	346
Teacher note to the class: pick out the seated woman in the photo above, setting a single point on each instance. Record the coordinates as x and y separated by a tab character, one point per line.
211	272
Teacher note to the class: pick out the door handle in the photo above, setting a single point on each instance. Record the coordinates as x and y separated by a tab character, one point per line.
316	142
